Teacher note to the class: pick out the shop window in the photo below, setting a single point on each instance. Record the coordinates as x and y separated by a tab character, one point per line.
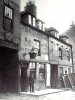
68	55
37	46
8	18
60	53
42	71
33	69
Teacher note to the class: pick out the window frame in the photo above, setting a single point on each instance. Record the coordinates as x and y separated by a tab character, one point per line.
42	70
60	53
68	55
5	17
39	50
33	69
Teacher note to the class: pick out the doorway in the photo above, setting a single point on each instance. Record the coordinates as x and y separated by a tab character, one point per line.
24	79
8	70
54	76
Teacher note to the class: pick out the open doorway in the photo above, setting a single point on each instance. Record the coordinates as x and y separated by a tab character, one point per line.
8	70
24	79
54	76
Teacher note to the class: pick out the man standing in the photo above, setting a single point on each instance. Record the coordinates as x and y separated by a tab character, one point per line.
31	83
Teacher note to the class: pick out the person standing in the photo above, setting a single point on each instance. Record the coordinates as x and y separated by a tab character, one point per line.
31	83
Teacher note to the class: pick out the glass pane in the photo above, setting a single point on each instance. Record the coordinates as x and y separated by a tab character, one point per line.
29	19
8	12
33	21
41	71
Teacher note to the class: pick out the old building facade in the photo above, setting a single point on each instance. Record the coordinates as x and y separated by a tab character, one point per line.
35	51
9	43
42	53
70	33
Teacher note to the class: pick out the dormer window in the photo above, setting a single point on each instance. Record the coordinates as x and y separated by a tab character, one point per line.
33	21
30	19
40	25
8	18
43	27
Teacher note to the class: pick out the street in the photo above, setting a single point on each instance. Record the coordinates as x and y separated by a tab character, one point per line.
59	95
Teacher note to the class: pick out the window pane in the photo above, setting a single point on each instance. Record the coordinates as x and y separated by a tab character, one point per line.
8	12
29	19
37	46
60	53
8	21
33	69
68	55
33	21
42	71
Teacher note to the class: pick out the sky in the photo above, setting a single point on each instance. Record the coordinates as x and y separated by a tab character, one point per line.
55	13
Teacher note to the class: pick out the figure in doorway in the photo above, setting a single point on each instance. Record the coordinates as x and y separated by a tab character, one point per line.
31	82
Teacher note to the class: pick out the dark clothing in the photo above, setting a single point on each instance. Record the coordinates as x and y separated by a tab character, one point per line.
31	83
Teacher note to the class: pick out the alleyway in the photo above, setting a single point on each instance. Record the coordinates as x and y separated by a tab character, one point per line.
68	94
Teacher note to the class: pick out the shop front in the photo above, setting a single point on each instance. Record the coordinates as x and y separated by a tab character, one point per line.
39	71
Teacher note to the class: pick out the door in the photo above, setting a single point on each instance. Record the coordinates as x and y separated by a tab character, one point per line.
54	76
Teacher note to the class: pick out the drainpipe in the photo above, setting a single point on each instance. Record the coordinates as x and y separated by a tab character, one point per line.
72	60
48	49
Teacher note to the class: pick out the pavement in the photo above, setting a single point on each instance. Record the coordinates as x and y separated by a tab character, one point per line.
48	94
44	92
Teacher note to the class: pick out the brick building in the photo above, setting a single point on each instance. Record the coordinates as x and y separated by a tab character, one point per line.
9	43
42	52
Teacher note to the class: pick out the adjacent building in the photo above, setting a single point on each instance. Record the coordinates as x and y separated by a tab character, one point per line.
70	33
9	44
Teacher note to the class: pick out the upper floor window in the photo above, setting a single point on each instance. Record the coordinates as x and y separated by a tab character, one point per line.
40	25
33	21
8	18
60	53
37	46
68	55
30	19
51	46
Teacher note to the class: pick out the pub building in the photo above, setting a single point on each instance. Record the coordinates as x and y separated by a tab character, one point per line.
42	53
27	47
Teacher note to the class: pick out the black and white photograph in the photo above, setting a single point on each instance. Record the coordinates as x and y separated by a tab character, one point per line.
37	49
